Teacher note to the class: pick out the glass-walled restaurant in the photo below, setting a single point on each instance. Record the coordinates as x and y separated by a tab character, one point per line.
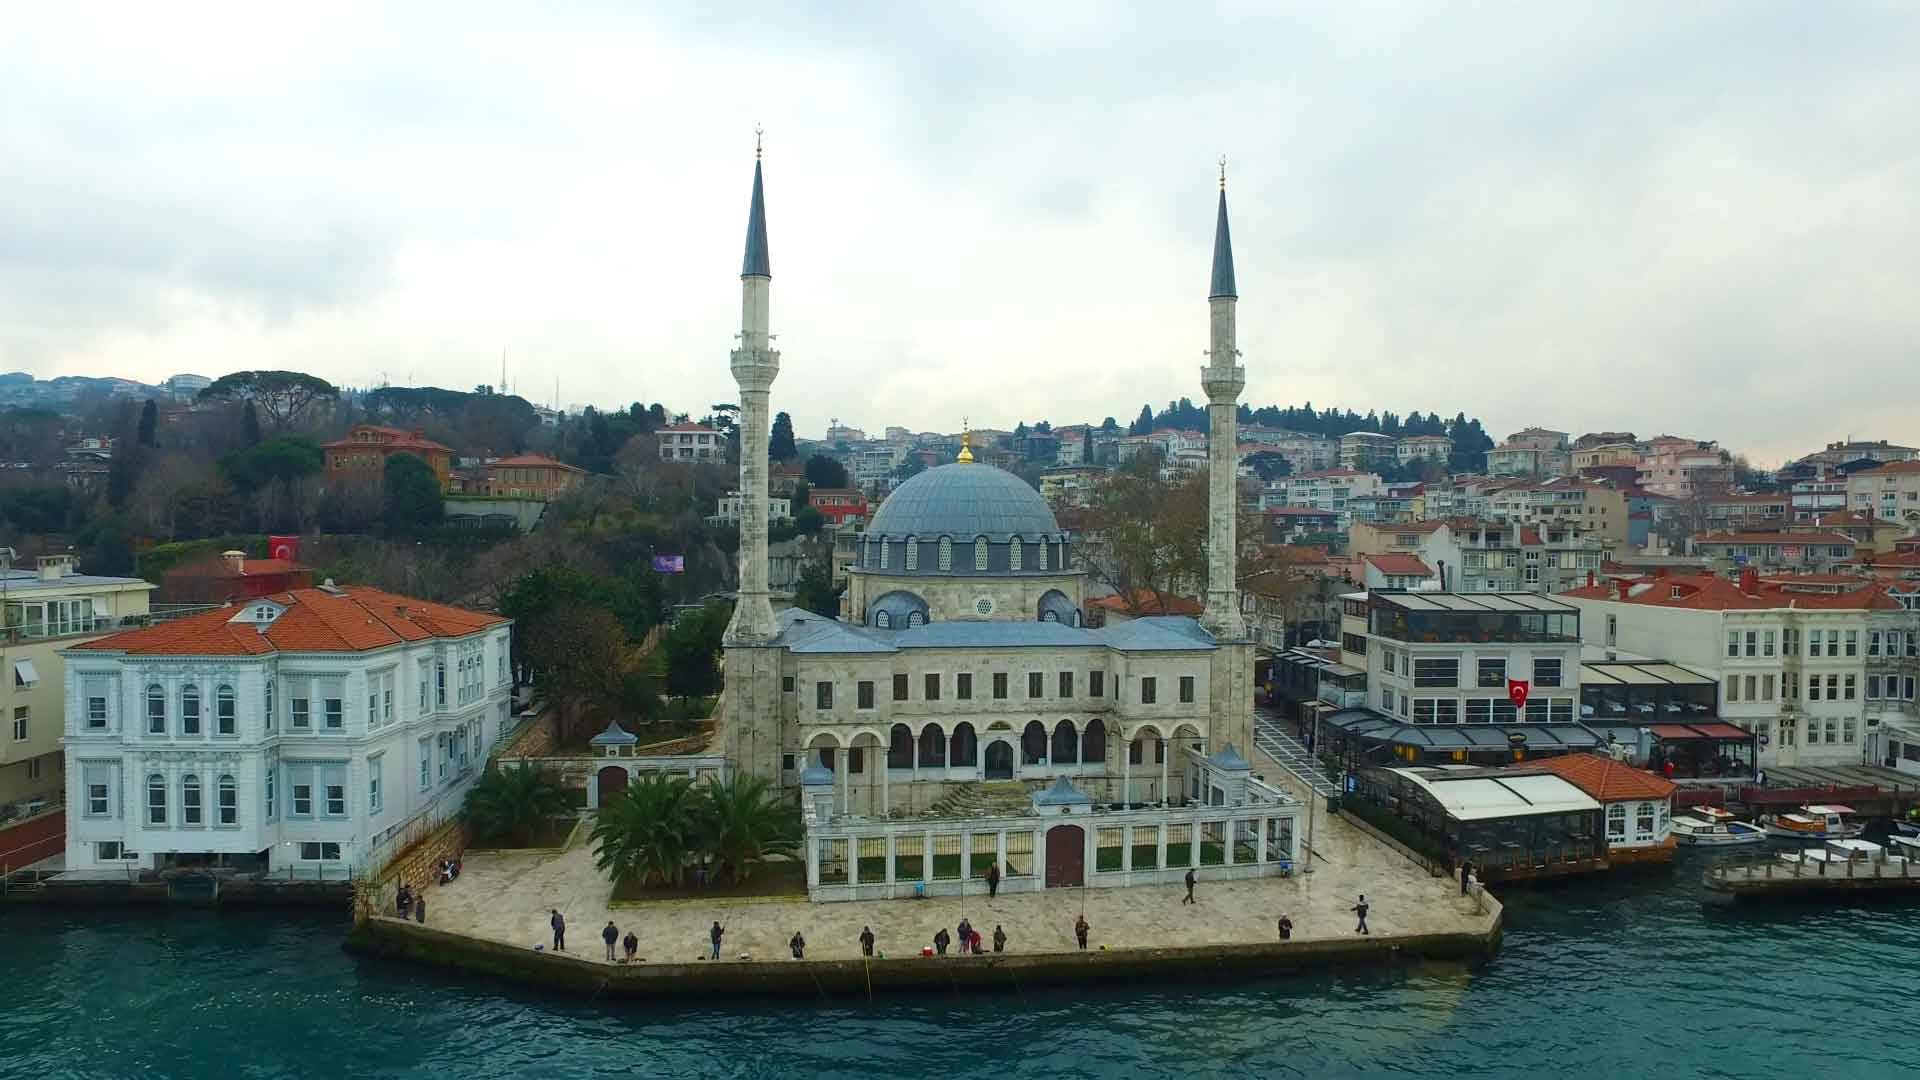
1666	714
1468	618
1509	823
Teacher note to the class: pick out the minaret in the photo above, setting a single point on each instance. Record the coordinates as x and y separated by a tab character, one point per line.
1222	379
754	367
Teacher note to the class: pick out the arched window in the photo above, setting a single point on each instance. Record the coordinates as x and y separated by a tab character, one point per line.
229	801
190	710
223	711
933	746
1076	617
156	709
156	799
883	620
913	553
964	748
866	554
979	553
900	747
190	800
1066	744
1033	743
1093	742
1013	553
886	555
1044	545
1049	616
915	618
946	553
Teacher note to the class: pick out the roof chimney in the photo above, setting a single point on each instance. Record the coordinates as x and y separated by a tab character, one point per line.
54	567
1750	581
1589	579
236	561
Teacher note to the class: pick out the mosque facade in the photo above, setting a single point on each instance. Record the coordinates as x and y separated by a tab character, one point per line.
962	676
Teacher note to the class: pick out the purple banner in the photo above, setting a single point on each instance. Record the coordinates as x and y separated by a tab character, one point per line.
669	564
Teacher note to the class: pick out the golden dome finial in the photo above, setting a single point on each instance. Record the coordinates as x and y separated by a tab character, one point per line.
966	443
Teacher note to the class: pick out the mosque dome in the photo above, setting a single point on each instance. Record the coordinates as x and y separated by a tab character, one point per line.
964	501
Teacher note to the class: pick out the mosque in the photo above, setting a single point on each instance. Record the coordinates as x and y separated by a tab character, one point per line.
961	705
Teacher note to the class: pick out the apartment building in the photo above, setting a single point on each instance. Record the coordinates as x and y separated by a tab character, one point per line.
1891	491
1471	555
1744	512
1531	452
532	476
1292	524
1792	657
1414	447
1842	453
1684	468
1606	455
1359	449
1566	501
49	608
1818	552
728	509
1306	453
691	443
1324	489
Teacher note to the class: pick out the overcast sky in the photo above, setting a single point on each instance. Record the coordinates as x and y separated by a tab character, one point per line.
1695	218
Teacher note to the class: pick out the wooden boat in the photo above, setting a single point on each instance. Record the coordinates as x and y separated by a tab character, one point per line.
1710	826
1813	823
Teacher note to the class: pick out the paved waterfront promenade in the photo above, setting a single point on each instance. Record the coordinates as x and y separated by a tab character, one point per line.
506	898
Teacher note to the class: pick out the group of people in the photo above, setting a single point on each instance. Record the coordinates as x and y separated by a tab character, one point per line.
970	941
611	935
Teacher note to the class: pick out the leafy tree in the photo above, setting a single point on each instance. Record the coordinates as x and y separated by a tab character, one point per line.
583	654
816	592
1109	424
149	417
647	833
780	444
741	820
249	425
1086	444
692	651
285	396
39	508
824	472
412	499
1143	424
1270	465
512	802
282	460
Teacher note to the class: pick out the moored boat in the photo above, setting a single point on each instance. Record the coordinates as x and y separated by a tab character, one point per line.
1813	823
1710	826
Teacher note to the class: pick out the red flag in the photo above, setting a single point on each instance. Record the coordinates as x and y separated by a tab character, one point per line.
1517	691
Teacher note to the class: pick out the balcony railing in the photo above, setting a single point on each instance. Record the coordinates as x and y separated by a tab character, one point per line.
99	624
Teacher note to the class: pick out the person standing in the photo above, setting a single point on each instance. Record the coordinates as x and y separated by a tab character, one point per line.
1286	928
420	907
610	934
993	880
1191	878
965	930
799	946
1360	909
999	939
866	941
559	924
633	945
1080	929
1466	875
941	939
716	934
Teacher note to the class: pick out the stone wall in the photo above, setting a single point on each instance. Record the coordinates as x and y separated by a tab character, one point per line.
537	739
418	864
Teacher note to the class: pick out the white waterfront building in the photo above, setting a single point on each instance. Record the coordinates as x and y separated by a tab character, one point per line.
300	732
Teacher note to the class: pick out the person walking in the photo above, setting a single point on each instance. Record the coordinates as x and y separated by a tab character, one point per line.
611	935
633	945
1360	909
420	907
999	939
1191	878
866	941
799	946
559	924
993	880
941	939
1080	929
1466	875
1286	928
716	934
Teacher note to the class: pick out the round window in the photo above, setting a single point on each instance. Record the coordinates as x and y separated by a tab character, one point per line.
984	605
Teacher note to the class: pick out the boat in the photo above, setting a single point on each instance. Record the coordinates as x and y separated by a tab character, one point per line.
1710	826
1813	823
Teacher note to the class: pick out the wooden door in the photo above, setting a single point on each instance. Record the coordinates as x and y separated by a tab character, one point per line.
1066	856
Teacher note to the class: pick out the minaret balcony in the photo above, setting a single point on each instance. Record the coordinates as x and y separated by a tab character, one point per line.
1223	383
755	368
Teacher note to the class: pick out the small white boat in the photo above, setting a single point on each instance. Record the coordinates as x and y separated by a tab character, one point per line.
1710	826
1813	823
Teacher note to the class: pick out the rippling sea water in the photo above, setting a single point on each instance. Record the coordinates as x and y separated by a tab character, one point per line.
1621	978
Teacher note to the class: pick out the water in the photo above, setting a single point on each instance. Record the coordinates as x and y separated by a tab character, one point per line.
1618	978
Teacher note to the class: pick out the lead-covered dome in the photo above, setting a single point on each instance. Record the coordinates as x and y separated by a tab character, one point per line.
964	501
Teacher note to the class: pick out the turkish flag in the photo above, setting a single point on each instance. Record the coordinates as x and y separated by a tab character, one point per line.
1517	691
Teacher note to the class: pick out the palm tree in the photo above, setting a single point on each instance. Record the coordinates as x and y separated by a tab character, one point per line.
742	820
513	802
645	834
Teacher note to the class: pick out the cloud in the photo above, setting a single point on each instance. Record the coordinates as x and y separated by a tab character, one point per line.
1695	220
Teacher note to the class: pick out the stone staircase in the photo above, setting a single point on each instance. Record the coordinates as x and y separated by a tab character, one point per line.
985	799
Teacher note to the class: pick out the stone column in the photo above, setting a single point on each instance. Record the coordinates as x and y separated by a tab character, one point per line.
755	366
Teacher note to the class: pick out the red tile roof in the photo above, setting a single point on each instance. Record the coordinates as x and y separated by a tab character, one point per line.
1702	592
1148	602
532	461
357	618
1773	538
1891	467
687	425
396	439
1399	565
1605	779
252	567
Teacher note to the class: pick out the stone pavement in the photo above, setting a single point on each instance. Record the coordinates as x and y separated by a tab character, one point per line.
506	898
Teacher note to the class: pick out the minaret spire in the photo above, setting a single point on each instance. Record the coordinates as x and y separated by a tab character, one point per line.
755	365
1222	378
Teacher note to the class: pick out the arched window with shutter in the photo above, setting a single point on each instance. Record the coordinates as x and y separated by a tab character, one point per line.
946	553
979	553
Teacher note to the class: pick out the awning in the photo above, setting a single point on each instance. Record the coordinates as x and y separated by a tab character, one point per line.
1721	731
1674	732
24	673
1696	732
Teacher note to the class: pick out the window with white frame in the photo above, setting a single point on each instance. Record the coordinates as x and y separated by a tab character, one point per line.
190	710
1643	819
300	781
426	769
1546	671
424	667
376	764
156	799
333	703
22	721
301	712
334	784
99	787
267	792
322	851
272	717
439	684
1616	821
190	807
226	711
1436	671
228	794
156	709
